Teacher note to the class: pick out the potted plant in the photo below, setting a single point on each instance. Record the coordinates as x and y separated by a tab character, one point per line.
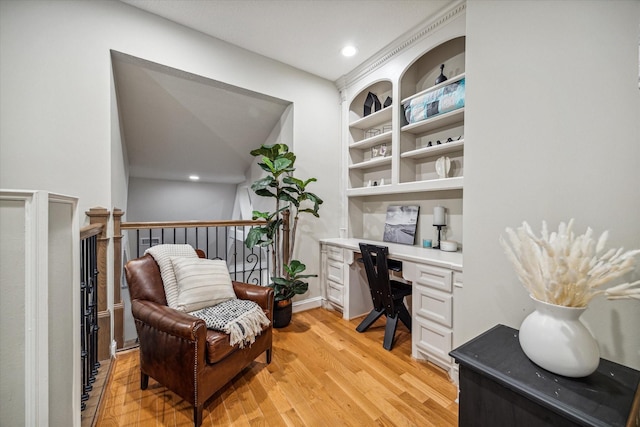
291	199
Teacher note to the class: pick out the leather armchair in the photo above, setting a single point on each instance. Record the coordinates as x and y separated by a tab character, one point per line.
177	349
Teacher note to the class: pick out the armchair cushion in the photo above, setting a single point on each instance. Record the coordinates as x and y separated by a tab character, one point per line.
201	283
162	255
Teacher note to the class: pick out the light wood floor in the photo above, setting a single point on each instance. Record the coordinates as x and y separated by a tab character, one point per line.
323	373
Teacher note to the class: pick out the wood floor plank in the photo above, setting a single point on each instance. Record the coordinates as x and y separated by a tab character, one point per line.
323	373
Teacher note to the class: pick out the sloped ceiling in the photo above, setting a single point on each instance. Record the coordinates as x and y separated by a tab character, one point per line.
175	124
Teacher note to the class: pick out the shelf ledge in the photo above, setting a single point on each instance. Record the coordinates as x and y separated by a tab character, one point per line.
378	161
446	147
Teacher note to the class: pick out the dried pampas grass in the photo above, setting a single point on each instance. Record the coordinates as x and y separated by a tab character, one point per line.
563	269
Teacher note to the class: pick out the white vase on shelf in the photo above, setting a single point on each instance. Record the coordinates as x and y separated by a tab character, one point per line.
554	338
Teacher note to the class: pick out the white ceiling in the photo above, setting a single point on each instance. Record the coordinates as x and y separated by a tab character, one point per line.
306	34
171	121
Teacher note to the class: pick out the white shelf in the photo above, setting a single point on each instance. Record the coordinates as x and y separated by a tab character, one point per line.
455	183
445	147
434	87
370	191
374	140
378	161
373	119
436	122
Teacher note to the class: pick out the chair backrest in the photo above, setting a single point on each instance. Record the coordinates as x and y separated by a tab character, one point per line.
375	264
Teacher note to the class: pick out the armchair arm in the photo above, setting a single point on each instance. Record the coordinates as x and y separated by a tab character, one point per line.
261	295
168	320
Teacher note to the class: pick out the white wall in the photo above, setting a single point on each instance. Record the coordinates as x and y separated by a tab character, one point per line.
552	133
57	128
162	200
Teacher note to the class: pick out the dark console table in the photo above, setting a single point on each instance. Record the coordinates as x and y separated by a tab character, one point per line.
500	386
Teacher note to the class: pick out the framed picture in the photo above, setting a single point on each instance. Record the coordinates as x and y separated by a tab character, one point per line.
379	151
400	225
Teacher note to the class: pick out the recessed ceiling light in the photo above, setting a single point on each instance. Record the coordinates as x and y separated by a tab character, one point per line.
194	177
349	50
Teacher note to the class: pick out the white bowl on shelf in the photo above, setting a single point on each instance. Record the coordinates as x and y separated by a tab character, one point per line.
448	245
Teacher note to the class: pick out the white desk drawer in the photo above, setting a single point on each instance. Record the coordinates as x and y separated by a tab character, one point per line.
335	293
435	277
335	271
433	304
335	253
432	339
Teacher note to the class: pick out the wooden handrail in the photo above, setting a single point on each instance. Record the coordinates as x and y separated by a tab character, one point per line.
90	230
188	224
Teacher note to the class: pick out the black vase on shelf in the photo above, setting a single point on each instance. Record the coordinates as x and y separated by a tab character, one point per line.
441	78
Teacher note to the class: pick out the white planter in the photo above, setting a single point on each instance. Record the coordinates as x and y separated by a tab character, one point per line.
554	338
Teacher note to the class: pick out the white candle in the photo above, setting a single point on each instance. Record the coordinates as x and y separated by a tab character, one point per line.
438	215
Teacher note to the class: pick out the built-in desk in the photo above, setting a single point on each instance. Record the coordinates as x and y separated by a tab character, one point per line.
433	273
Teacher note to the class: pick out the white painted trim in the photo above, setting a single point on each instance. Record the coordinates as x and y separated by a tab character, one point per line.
306	304
401	43
76	391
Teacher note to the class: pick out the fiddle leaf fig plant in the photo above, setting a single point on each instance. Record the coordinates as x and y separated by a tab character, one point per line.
291	199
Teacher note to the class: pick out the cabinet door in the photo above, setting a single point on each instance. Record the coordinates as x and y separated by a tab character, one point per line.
433	305
432	340
335	271
335	293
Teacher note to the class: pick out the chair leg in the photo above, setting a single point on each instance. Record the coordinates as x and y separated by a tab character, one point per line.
269	354
368	321
390	331
197	415
405	317
144	381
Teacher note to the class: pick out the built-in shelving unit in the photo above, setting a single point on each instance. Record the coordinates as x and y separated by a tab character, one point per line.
410	154
370	139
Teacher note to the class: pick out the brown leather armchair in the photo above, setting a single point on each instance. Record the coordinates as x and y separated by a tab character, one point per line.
177	349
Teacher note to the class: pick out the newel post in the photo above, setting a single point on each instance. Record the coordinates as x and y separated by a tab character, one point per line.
101	216
118	304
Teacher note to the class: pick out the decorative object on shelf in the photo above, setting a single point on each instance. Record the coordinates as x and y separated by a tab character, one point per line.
439	222
387	102
291	199
426	243
442	100
563	273
400	225
379	151
443	165
448	246
441	78
369	133
371	104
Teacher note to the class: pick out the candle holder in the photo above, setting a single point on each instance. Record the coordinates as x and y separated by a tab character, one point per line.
439	227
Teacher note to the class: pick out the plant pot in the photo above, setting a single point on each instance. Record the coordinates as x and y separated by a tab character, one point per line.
555	339
282	313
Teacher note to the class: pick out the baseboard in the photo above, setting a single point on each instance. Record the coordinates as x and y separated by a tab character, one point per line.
307	304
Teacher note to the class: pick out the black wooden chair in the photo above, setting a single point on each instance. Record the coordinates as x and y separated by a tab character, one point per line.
387	295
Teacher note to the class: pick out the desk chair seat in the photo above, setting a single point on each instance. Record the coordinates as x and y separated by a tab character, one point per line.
387	295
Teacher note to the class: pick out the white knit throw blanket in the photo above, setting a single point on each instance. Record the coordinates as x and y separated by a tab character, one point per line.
242	319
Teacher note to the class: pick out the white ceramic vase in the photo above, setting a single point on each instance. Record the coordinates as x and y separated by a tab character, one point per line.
554	338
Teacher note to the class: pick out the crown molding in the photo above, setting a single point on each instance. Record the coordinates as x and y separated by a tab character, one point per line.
398	45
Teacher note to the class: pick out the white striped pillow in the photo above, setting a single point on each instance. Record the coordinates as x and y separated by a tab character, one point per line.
201	282
162	255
